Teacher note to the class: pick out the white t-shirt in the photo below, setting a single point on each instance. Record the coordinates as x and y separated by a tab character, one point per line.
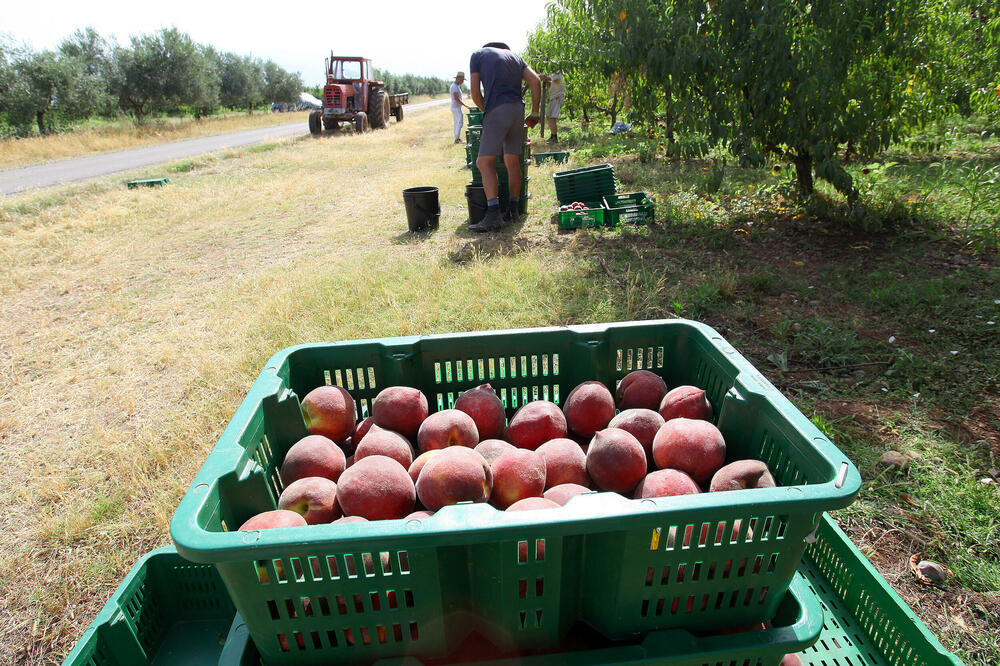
455	88
557	87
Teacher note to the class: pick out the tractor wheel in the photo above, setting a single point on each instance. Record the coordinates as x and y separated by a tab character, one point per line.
378	108
361	122
398	113
316	123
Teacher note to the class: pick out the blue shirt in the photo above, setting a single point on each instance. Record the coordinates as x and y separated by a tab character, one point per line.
500	71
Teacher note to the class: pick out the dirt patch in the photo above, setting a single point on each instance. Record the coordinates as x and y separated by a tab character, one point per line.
860	414
981	427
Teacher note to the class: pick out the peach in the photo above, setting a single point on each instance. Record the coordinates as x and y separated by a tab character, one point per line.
690	445
329	411
689	402
449	427
536	423
564	492
588	408
400	408
532	503
640	389
565	462
350	519
486	409
314	497
791	660
666	483
376	488
420	514
313	455
456	474
642	423
360	431
615	460
272	519
741	475
492	448
517	474
381	442
419	462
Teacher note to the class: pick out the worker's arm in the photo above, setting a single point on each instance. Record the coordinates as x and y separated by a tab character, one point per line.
458	98
477	93
535	83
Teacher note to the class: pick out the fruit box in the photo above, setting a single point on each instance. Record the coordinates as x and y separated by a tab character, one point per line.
356	591
633	208
166	611
591	216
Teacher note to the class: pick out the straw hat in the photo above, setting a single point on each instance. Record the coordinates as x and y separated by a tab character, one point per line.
460	75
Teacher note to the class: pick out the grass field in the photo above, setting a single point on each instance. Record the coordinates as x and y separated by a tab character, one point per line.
135	321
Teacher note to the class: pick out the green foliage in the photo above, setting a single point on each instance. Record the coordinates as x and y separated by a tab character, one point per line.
415	85
279	85
241	81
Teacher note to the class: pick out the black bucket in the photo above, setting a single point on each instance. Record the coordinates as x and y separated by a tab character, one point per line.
422	208
476	196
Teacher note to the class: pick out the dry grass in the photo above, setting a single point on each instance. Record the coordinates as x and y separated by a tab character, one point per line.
136	319
121	135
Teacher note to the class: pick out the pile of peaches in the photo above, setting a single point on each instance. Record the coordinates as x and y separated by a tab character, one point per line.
403	462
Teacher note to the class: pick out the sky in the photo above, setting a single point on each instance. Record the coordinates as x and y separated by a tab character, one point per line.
423	37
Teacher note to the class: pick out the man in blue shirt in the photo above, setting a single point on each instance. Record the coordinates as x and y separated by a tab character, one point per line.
500	71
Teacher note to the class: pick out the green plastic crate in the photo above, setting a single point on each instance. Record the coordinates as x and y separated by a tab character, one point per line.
592	216
166	611
589	183
620	565
633	208
865	620
147	182
797	624
475	117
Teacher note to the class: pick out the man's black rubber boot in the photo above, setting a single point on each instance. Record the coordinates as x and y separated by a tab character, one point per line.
511	216
490	222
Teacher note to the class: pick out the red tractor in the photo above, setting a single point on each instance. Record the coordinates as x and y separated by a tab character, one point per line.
351	95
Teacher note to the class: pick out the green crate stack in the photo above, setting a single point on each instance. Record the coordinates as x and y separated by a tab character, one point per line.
633	208
504	195
591	183
461	572
592	216
475	117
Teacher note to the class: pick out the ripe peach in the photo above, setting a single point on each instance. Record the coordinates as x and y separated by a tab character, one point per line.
376	488
400	408
314	497
565	462
517	474
532	503
449	427
381	442
615	460
456	474
666	483
588	408
640	389
360	431
272	519
329	411
564	492
740	475
485	408
536	423
642	423
419	462
791	660
492	448
420	514
689	402
313	455
690	445
350	519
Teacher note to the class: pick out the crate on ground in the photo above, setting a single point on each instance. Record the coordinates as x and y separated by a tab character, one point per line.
633	208
591	216
866	622
147	182
590	183
166	611
622	566
558	157
475	117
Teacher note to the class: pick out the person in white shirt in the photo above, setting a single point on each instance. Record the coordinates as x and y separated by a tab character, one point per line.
457	105
557	93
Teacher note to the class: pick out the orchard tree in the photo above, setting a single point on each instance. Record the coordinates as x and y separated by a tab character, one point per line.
279	85
45	84
161	71
93	55
242	82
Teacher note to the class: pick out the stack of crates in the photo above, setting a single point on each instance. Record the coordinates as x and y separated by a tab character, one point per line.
473	136
589	185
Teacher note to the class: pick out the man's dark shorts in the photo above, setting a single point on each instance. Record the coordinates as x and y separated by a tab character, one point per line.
503	128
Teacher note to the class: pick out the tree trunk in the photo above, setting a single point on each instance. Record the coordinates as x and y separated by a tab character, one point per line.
40	119
803	171
614	109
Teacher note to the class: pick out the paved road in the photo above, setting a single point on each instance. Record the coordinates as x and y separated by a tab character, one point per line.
83	168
